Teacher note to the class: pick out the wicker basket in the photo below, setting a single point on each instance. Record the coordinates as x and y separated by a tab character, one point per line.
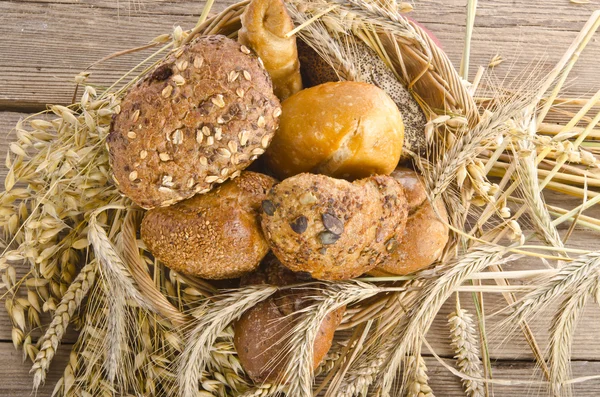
429	75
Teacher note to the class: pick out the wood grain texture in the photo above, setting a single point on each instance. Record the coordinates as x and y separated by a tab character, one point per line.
46	42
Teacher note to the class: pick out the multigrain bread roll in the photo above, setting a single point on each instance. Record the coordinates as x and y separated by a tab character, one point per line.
425	235
265	24
346	130
315	70
216	235
331	228
204	113
261	332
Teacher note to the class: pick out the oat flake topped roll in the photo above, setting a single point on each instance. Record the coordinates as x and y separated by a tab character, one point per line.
204	114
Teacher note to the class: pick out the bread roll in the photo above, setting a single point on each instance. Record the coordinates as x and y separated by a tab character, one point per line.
204	113
425	235
265	24
216	235
346	130
261	332
331	228
371	69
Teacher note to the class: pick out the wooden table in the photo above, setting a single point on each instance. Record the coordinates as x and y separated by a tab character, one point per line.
44	43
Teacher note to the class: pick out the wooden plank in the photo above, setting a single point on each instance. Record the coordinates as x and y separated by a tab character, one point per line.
16	380
445	384
51	41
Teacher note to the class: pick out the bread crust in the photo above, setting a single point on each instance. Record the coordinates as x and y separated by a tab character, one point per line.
346	130
216	235
331	228
425	235
202	115
260	333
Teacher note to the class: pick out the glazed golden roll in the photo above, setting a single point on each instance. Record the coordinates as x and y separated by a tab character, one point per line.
345	130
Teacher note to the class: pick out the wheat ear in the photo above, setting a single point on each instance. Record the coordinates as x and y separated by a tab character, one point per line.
111	264
418	385
568	279
301	340
464	343
421	315
70	302
214	318
561	335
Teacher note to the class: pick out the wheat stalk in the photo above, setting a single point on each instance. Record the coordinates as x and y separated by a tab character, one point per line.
421	315
201	338
464	343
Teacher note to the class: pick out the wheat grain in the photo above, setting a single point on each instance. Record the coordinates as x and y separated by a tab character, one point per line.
418	380
70	302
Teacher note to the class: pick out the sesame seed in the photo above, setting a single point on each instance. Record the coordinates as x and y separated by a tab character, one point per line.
143	154
235	158
131	135
190	182
210	179
210	140
218	100
258	151
218	133
206	131
220	180
133	176
243	137
135	115
177	137
163	189
224	171
233	147
245	49
260	63
164	156
247	75
198	61
239	92
199	136
224	152
277	112
182	65
220	120
203	160
178	79
261	121
167	91
232	76
264	142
